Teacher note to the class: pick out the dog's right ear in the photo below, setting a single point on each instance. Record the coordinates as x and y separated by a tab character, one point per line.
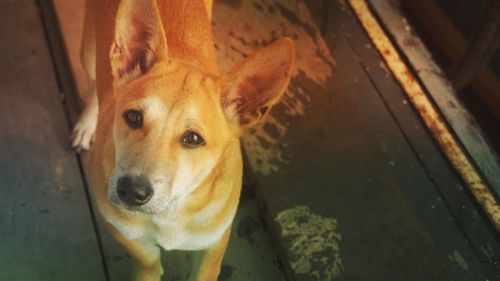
139	40
253	86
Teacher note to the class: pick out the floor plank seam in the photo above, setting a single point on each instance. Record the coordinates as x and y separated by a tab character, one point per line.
52	35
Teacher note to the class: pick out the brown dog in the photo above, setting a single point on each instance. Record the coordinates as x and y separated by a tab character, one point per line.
166	166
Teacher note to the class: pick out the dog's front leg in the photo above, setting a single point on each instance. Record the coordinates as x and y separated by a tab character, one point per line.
84	131
207	263
147	257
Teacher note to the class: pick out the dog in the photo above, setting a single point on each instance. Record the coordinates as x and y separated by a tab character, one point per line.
165	167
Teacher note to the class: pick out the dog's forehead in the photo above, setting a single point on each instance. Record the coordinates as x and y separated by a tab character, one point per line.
178	81
178	89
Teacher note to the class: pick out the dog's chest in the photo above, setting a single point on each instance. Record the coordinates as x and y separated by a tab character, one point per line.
176	235
170	231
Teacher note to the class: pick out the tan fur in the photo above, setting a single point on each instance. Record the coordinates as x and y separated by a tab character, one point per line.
178	87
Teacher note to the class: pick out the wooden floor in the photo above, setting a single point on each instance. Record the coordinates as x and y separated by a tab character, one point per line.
349	182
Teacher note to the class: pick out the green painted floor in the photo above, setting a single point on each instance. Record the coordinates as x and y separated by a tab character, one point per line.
343	182
352	184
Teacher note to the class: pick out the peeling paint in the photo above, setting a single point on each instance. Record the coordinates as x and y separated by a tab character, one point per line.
58	171
488	251
58	174
458	259
247	227
241	29
314	243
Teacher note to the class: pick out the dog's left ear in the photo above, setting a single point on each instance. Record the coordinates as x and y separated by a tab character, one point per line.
252	87
139	40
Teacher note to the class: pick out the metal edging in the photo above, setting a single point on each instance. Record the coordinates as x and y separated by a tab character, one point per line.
429	114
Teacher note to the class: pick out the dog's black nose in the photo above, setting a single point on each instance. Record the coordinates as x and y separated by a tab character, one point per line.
134	191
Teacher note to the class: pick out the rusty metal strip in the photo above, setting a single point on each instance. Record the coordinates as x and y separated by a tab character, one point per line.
429	114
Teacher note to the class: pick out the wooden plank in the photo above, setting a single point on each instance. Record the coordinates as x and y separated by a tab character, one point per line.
239	28
447	185
333	168
47	229
460	120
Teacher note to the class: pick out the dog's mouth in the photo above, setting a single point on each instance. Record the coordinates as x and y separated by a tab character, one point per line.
153	207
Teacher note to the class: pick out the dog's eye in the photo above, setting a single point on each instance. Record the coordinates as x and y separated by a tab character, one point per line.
191	139
133	118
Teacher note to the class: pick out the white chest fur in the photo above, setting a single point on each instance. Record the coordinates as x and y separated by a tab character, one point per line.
171	230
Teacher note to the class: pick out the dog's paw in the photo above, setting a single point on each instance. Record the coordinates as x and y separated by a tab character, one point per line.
83	134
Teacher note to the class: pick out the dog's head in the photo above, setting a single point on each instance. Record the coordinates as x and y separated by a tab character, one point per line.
173	122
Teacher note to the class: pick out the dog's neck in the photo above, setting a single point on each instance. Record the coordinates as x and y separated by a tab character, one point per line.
189	33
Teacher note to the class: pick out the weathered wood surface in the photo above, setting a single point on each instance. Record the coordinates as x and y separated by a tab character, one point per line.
350	197
46	227
433	79
447	185
345	186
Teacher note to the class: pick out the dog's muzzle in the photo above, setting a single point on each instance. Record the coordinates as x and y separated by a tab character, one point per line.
134	191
